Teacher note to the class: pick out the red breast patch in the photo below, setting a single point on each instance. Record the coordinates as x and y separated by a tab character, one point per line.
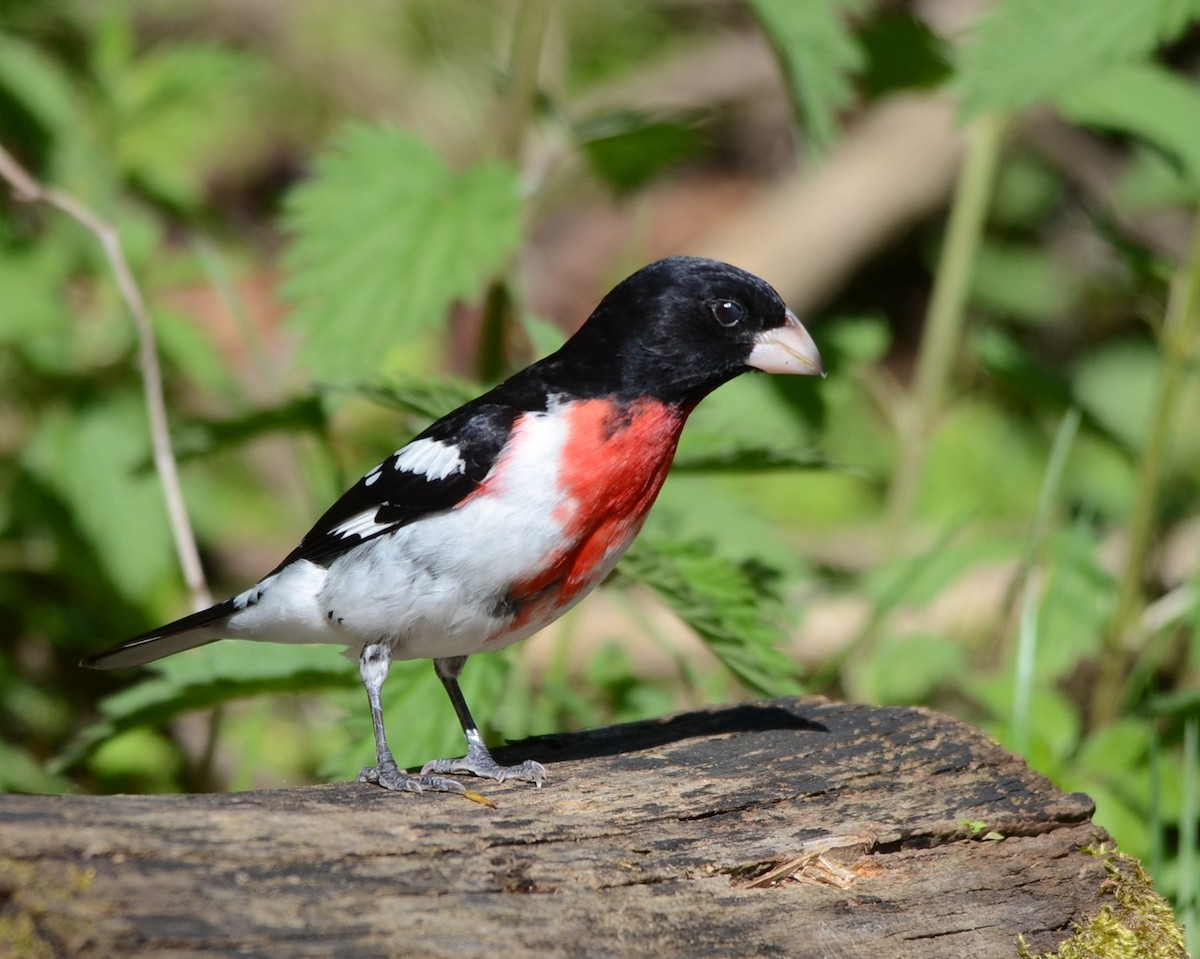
613	464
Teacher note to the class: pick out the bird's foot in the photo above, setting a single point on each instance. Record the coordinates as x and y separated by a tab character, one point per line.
479	762
390	776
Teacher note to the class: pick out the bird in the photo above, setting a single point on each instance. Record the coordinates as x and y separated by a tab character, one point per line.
503	514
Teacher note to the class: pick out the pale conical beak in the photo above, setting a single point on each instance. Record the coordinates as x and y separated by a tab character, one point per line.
786	349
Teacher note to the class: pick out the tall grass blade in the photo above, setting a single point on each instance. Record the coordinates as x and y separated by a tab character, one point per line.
1027	636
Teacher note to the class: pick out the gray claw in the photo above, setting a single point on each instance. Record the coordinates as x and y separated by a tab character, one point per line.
390	776
479	762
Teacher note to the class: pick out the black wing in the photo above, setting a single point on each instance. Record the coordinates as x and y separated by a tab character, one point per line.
395	497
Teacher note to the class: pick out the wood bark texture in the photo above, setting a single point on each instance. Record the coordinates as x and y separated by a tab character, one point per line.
798	828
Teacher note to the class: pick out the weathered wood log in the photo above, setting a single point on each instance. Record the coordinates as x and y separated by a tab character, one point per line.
798	828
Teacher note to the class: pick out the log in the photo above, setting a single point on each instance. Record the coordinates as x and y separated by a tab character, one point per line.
797	827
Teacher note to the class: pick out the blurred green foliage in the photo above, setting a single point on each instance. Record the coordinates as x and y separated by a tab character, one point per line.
1043	580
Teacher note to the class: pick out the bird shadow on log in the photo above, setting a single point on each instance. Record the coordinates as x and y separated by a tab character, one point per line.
653	733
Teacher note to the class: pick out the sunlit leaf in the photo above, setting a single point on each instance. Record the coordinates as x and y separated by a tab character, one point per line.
427	399
1076	603
175	106
91	457
724	604
38	84
907	669
385	238
207	677
1055	722
1025	51
819	55
21	772
1146	101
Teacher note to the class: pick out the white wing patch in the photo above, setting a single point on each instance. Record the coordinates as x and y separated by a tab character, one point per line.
433	459
361	524
431	587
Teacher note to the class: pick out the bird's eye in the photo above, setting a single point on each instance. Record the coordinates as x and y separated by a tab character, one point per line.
728	312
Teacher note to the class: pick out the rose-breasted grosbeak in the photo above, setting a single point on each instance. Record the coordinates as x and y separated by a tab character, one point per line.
505	513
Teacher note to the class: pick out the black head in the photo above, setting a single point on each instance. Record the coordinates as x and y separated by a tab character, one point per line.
681	327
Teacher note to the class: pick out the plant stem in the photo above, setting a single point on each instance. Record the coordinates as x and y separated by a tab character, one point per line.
516	112
27	188
944	321
529	30
1189	849
1179	338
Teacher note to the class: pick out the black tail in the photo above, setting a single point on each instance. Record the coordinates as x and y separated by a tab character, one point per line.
197	629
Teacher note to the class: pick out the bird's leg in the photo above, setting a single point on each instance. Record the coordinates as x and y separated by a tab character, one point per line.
477	760
373	664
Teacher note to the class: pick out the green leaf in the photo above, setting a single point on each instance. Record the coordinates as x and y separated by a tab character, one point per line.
545	336
1015	367
818	53
1054	720
982	459
1180	703
919	579
189	347
90	457
38	84
1021	282
1025	51
385	239
612	677
204	678
726	604
426	399
1112	751
736	516
855	340
35	318
200	437
748	458
1146	101
21	772
1076	603
180	109
138	760
1028	192
1134	364
907	669
627	149
902	53
1151	181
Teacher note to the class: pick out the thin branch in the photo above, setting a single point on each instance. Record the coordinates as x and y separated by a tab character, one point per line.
27	189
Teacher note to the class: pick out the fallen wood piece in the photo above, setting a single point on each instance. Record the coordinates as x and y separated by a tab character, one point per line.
797	827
